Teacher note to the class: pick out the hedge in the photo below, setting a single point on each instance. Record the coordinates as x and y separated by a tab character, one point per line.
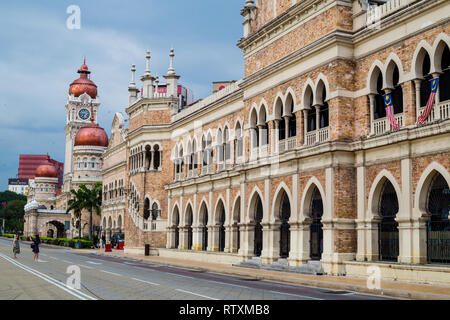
59	241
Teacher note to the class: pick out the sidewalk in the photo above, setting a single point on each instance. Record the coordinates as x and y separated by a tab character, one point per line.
389	288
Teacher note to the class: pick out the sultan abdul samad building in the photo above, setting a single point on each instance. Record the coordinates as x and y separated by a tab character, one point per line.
318	160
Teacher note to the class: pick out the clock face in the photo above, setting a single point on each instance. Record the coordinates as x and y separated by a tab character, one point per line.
84	114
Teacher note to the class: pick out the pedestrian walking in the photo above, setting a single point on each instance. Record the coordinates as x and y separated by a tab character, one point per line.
16	245
103	240
35	247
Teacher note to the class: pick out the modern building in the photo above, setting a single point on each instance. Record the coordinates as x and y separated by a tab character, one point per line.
300	164
28	164
17	185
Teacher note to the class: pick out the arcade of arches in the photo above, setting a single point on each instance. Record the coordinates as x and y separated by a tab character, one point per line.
278	230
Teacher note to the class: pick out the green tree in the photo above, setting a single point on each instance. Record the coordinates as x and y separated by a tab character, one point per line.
89	199
13	211
76	204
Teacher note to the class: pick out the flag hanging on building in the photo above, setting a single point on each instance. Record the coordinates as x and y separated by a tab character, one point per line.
425	113
390	112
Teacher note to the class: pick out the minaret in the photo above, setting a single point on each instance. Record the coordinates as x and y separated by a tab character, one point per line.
132	87
172	78
248	12
147	79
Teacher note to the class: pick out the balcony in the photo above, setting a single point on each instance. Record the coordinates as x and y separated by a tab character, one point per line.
179	176
287	144
383	125
317	136
440	111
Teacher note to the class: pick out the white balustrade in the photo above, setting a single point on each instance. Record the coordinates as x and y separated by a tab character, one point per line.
440	111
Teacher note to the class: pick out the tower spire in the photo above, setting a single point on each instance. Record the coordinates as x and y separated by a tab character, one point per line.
147	63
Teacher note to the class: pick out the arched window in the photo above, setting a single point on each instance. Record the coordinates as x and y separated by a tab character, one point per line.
425	87
397	92
438	206
444	77
219	143
308	103
146	209
85	163
316	232
240	147
155	211
148	157
92	163
226	140
284	215
379	108
157	157
388	229
324	111
292	122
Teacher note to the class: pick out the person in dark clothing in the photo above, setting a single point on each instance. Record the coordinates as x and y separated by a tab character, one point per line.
35	247
103	240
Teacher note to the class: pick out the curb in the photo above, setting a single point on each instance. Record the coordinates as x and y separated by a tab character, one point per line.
280	278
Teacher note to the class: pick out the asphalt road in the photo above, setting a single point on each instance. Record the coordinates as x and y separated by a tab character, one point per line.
109	278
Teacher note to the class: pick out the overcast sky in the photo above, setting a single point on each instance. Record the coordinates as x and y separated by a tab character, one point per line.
40	56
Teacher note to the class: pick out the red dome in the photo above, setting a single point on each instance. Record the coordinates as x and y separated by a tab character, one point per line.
83	84
91	135
46	170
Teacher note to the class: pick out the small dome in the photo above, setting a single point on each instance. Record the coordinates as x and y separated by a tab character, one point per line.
83	84
91	135
46	170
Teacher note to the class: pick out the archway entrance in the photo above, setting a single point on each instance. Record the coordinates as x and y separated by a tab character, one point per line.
388	229
222	228
50	233
258	228
438	236
60	230
203	227
176	222
285	214
316	232
188	224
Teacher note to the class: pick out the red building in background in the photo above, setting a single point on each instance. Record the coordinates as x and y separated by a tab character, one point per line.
28	164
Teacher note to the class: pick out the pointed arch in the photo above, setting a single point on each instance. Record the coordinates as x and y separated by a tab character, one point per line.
290	94
376	190
441	41
278	106
391	62
423	186
321	84
175	216
220	203
256	192
422	49
307	94
277	199
235	215
307	195
375	71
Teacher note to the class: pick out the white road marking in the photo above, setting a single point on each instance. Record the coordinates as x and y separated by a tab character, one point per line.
66	261
86	266
78	294
39	260
296	295
116	274
179	275
228	284
155	284
91	262
196	294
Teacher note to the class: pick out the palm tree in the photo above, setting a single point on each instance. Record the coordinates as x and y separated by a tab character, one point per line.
93	202
77	205
89	199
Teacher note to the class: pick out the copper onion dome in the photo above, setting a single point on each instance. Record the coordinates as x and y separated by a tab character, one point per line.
46	170
91	135
83	84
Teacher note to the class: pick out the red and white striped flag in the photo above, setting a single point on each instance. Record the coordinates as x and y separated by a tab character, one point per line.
425	113
390	112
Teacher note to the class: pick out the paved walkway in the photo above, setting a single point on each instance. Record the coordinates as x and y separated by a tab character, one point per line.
391	288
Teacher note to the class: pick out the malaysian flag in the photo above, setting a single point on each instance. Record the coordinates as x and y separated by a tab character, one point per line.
425	113
390	112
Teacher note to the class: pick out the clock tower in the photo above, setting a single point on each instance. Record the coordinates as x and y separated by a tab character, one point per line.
81	108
